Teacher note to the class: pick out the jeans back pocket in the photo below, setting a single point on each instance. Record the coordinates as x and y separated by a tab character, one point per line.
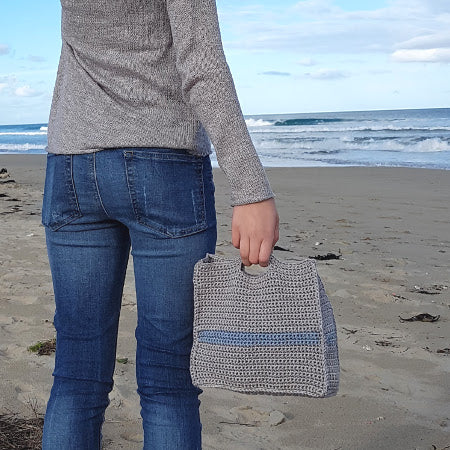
166	188
59	204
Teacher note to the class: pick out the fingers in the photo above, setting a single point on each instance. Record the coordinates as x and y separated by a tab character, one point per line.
254	231
264	253
244	248
254	250
235	235
277	235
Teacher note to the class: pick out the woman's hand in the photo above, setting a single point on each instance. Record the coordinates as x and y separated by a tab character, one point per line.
255	230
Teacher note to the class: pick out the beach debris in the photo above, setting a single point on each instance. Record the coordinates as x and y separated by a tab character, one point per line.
122	360
430	290
275	418
424	317
445	351
19	432
349	331
398	296
4	195
281	249
43	347
317	244
377	419
385	344
326	257
256	417
367	347
382	279
4	176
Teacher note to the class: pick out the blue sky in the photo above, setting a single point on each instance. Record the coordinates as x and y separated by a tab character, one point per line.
286	56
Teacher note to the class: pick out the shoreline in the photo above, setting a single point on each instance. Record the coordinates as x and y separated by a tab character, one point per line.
390	226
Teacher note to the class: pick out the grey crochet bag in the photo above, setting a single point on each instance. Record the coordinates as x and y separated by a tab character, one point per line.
271	333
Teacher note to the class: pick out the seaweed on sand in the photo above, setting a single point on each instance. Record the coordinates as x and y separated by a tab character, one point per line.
43	347
21	432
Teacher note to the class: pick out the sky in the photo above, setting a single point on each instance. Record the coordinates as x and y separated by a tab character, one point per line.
285	56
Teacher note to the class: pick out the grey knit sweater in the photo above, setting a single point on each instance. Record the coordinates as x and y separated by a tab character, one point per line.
151	73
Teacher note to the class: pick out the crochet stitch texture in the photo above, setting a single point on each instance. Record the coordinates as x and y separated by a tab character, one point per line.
151	73
270	333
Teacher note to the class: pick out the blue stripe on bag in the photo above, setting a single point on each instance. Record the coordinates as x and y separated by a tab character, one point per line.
248	339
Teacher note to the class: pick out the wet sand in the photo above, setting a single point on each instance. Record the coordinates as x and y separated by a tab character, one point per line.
392	228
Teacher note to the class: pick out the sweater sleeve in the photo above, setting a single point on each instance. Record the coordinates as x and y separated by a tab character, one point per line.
208	87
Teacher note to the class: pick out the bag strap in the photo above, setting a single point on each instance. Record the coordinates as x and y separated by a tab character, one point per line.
273	265
234	266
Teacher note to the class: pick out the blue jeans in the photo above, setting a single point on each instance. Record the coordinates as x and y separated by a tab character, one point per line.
160	203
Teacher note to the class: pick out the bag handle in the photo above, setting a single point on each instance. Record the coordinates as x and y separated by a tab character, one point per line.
235	265
273	264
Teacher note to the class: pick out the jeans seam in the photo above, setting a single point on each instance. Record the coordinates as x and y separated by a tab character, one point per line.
72	181
98	190
203	194
70	189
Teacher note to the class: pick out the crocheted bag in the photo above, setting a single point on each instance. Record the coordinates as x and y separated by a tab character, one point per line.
271	333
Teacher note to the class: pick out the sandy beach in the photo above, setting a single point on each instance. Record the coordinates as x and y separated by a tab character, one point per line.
391	227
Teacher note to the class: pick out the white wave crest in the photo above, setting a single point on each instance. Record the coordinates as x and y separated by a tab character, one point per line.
431	145
44	128
347	143
23	133
21	147
340	129
257	123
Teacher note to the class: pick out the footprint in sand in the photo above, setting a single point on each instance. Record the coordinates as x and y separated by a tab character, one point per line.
248	415
27	393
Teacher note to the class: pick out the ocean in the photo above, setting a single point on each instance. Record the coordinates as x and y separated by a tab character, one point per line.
408	138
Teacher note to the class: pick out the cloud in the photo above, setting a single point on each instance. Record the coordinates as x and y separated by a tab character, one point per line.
326	74
35	58
4	49
312	27
432	55
313	8
276	73
379	71
6	83
436	40
307	62
26	91
9	85
433	48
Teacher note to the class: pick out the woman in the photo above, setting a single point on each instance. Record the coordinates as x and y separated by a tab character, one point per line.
142	90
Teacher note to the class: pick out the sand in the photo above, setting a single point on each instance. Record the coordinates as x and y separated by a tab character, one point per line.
392	228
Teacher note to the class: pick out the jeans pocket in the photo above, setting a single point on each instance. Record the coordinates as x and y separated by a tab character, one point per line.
167	190
59	204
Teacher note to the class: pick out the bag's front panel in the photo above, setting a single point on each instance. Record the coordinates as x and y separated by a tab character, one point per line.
259	334
261	369
227	300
